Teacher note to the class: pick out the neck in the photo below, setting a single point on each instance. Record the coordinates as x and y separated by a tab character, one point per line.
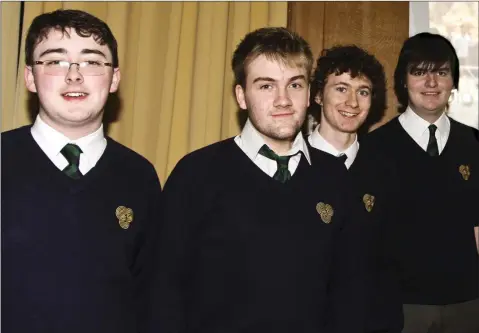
339	140
280	147
430	117
72	132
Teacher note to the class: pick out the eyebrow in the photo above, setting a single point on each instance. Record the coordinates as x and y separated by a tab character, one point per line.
64	51
347	84
269	79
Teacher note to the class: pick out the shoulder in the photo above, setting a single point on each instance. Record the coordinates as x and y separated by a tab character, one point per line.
206	157
12	140
202	168
123	157
377	136
15	135
467	132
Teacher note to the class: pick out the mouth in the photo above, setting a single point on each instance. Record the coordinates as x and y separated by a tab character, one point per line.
430	93
348	114
74	96
282	114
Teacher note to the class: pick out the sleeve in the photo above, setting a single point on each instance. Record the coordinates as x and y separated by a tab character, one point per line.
172	251
142	267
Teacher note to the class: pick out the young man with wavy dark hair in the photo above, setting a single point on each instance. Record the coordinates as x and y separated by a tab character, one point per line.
248	245
349	85
78	208
426	165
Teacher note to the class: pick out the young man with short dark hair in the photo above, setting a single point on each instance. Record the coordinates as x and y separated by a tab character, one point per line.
78	209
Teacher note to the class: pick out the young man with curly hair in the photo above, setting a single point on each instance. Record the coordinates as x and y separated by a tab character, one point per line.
349	86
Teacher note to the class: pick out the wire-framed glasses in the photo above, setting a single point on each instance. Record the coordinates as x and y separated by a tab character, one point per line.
61	67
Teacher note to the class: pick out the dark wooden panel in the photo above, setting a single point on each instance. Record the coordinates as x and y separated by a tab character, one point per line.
307	19
379	27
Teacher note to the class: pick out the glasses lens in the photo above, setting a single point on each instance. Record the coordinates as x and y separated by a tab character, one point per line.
92	68
55	67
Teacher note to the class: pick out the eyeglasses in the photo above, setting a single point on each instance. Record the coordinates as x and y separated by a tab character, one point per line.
61	68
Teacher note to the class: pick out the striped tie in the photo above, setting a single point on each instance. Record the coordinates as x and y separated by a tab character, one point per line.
72	154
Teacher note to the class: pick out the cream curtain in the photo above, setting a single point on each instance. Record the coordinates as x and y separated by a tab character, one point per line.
176	90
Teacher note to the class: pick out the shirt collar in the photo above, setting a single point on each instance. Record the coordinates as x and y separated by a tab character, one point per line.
52	142
418	126
252	142
319	142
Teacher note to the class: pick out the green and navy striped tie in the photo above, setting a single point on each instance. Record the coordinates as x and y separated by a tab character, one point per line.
282	174
72	154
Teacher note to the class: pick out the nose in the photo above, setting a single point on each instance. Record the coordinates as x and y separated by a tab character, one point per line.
431	80
73	74
352	100
282	99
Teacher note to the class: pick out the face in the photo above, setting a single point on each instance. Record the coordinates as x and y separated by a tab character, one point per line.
276	97
72	101
345	102
429	91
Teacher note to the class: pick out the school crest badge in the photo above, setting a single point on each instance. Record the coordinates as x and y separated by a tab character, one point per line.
465	171
325	211
368	201
125	216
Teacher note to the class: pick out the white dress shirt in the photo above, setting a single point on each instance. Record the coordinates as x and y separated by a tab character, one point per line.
250	142
317	141
52	142
417	128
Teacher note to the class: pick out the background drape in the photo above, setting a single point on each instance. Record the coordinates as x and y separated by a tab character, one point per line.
176	90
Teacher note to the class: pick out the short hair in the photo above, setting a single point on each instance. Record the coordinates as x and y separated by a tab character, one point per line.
357	62
84	24
275	43
430	51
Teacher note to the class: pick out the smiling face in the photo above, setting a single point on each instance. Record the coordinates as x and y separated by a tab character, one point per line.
72	103
345	103
276	97
429	91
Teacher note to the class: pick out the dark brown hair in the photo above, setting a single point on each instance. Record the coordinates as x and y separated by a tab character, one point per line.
84	24
275	43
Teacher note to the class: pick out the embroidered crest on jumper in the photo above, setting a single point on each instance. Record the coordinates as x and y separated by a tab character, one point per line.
125	216
325	211
369	200
465	171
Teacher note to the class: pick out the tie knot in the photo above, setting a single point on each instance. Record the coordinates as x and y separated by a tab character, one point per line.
72	153
432	129
281	160
342	158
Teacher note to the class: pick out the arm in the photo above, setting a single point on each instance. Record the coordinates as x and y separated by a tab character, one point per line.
172	253
142	267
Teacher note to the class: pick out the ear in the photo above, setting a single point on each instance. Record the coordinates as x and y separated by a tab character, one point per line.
29	79
317	99
115	80
240	97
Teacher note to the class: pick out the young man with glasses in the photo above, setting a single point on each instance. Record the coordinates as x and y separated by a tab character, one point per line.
427	166
248	245
78	208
